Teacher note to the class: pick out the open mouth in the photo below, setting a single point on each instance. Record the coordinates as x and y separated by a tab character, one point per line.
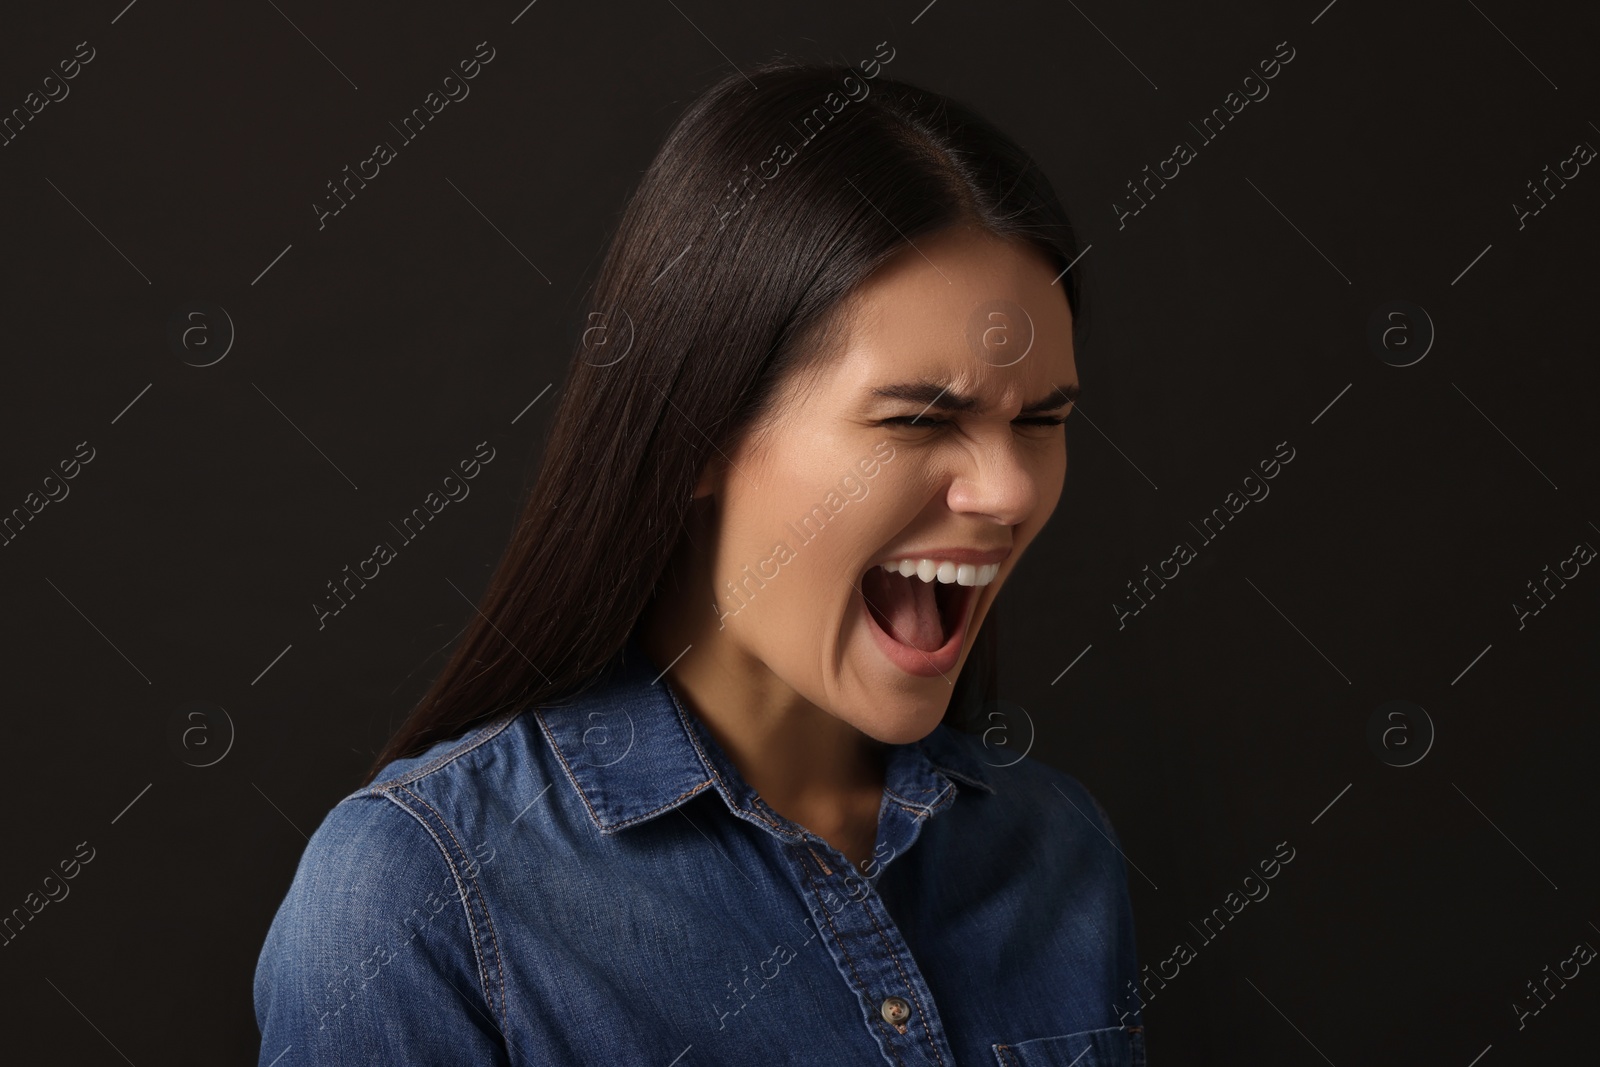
918	614
921	622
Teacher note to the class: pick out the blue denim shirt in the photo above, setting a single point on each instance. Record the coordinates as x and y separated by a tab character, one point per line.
594	883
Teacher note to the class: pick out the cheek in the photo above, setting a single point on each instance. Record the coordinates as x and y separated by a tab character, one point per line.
1050	476
1053	486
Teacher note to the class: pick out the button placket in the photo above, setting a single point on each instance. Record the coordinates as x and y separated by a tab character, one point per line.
874	959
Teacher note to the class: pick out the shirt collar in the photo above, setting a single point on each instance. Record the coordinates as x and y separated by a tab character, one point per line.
633	751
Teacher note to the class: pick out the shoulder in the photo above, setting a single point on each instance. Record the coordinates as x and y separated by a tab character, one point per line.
1031	804
385	914
1025	785
452	757
1048	785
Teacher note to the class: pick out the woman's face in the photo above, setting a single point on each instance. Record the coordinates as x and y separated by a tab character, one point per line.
930	434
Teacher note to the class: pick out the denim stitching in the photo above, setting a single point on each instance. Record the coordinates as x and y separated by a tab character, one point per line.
483	901
712	770
674	802
846	950
895	957
939	802
490	731
477	954
594	815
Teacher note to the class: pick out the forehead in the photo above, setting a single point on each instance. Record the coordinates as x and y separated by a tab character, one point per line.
963	307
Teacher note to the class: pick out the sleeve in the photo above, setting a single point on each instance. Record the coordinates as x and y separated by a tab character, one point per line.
371	957
1127	939
1113	901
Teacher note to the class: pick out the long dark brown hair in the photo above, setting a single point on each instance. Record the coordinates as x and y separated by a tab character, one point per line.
727	271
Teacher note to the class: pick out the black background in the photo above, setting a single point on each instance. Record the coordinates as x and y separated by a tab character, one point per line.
1228	316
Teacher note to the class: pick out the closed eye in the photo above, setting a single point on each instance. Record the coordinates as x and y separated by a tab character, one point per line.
921	421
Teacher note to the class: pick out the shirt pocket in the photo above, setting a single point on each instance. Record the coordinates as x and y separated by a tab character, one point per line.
1113	1046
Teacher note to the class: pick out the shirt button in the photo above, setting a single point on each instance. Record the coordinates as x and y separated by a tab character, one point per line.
895	1010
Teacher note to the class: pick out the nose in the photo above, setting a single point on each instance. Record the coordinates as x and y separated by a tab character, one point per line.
1000	479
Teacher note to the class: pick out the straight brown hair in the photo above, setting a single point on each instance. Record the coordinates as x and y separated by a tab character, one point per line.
775	195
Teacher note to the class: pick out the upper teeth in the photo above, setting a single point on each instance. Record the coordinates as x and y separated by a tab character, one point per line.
944	570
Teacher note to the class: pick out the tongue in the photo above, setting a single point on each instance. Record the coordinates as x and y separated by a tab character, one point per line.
905	607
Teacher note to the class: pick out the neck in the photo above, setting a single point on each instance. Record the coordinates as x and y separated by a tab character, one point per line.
801	759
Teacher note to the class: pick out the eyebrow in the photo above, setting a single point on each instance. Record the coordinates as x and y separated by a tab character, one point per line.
934	395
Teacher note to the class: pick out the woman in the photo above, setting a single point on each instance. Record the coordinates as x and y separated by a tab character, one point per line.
702	782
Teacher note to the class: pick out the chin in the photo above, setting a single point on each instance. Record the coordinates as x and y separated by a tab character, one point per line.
903	721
